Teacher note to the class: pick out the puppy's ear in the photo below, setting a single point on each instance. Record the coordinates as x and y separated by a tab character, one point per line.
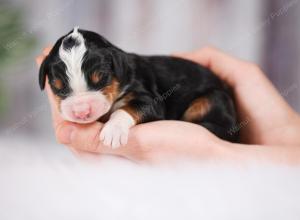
44	70
120	63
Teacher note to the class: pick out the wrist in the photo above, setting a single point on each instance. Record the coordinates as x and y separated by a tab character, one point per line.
290	135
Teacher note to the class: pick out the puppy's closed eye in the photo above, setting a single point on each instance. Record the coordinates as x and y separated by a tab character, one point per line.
59	87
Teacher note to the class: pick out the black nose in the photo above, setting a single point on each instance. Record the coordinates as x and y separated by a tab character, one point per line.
70	42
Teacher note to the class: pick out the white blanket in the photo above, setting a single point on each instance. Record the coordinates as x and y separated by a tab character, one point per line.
40	181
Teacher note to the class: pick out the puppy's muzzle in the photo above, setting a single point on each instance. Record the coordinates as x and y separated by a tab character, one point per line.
85	108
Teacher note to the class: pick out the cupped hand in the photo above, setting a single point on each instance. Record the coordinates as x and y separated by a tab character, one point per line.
265	117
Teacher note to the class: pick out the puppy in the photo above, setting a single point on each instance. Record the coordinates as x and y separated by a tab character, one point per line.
94	80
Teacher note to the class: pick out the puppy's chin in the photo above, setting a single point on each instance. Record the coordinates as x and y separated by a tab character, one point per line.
85	108
80	121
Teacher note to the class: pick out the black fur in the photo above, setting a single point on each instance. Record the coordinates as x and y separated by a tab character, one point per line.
163	86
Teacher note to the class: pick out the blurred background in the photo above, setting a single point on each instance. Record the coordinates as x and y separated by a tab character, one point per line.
265	32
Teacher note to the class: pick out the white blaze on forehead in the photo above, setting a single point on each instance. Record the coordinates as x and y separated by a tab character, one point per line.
73	58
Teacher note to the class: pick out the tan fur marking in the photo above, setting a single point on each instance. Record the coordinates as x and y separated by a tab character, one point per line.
57	83
128	97
133	112
197	110
95	77
57	100
123	101
112	91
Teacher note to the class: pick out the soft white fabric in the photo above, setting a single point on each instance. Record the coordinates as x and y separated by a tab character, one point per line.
41	181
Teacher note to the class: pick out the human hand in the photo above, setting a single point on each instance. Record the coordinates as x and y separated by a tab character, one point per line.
265	117
165	139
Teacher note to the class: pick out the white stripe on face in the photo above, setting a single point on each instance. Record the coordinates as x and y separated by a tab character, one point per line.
73	58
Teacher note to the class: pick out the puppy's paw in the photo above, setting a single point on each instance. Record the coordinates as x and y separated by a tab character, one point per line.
115	132
114	135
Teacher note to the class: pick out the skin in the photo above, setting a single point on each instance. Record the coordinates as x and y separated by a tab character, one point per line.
269	127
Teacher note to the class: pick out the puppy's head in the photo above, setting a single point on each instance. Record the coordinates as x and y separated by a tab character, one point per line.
84	72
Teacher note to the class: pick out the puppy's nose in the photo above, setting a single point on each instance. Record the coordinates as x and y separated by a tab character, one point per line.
81	111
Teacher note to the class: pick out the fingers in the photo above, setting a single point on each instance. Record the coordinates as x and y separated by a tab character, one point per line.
82	137
47	50
225	66
39	59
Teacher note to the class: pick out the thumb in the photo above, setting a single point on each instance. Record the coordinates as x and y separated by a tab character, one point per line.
81	137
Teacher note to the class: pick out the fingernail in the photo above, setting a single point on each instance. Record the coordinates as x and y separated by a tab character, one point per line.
66	134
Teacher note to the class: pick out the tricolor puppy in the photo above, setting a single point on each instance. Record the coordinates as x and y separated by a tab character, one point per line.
94	80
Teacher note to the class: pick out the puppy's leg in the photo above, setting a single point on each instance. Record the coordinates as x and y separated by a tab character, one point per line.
215	112
115	131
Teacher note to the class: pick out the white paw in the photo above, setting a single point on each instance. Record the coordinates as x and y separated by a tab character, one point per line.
114	135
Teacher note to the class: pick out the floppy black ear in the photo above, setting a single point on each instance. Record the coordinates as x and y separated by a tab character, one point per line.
120	63
44	68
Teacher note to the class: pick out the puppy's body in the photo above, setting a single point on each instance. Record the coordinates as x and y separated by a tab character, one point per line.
95	80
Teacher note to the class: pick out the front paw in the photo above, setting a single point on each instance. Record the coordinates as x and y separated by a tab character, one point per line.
114	135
